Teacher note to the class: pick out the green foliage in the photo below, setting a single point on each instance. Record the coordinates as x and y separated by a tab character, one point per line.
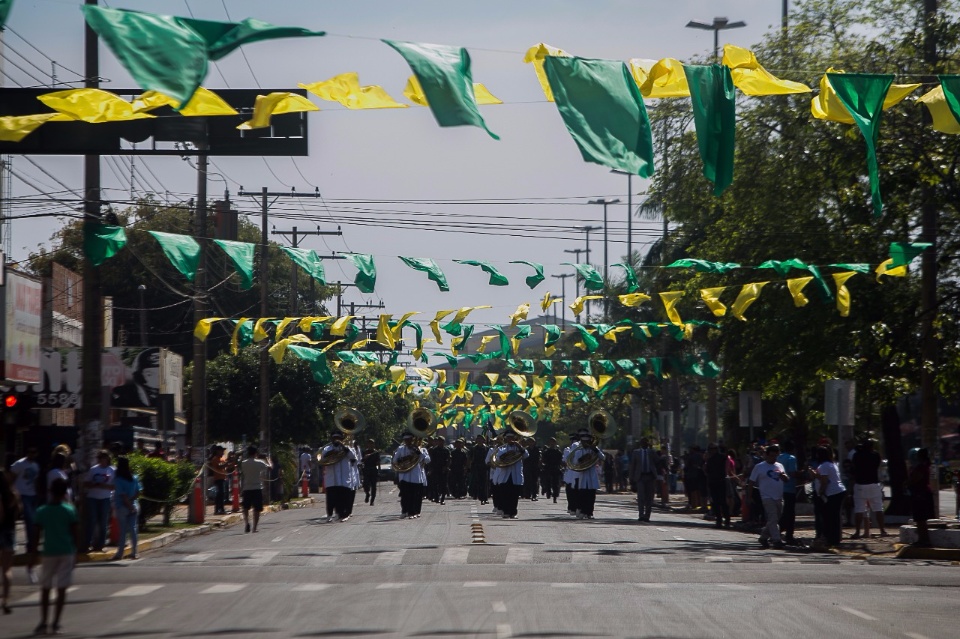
162	483
385	413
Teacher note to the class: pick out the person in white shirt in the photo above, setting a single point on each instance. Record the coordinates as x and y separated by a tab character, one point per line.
832	493
570	476
509	479
99	487
338	477
589	479
27	472
411	482
306	464
252	472
769	476
58	470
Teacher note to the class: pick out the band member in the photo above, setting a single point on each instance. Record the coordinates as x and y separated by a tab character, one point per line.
531	469
570	476
370	468
589	480
338	478
479	470
458	470
509	479
552	469
645	465
413	481
439	470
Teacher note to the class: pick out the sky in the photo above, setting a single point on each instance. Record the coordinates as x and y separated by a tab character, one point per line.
534	182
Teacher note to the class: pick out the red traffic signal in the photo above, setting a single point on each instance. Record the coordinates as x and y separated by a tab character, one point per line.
10	401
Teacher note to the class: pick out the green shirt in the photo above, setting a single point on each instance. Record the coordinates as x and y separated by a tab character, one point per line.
56	521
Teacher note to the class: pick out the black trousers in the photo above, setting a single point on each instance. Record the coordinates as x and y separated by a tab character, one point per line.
438	485
509	498
480	485
458	484
586	498
832	528
718	501
411	498
572	495
530	481
788	519
552	484
338	501
220	502
370	488
495	493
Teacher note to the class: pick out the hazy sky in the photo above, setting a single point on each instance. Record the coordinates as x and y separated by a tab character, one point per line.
401	154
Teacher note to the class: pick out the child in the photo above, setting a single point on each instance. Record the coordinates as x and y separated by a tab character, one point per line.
57	523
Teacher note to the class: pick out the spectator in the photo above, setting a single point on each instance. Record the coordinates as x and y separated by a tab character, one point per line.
252	471
832	494
768	476
58	470
867	489
789	518
126	493
218	470
921	496
99	487
57	522
27	473
9	511
716	470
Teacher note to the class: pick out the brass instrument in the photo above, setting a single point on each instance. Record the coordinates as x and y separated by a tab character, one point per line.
421	422
601	425
406	463
509	458
332	457
349	421
587	461
523	424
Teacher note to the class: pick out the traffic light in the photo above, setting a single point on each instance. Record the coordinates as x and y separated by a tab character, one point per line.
10	400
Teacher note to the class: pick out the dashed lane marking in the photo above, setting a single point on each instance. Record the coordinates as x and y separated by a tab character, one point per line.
138	615
504	631
197	557
35	597
720	559
137	591
857	613
499	606
310	587
905	588
479	584
567	585
519	556
223	589
455	556
390	558
394	586
734	586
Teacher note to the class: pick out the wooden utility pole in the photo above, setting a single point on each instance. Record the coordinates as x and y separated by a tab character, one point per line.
294	239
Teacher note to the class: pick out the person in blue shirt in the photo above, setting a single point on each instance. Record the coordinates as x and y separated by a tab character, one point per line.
789	517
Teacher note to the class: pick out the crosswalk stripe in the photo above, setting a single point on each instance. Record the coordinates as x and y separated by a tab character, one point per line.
734	586
310	587
137	591
35	597
455	556
719	559
391	586
223	589
785	560
479	584
198	557
519	556
320	562
390	558
140	614
260	557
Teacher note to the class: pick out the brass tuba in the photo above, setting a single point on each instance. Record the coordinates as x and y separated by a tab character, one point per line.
601	425
421	422
523	424
349	421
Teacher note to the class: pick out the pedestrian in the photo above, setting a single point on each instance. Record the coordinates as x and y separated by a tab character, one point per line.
715	469
867	489
832	494
218	471
643	471
338	463
371	471
252	471
479	484
9	511
99	490
305	464
589	480
921	496
552	459
531	469
126	504
57	523
27	473
508	474
412	478
58	470
788	520
609	472
459	461
570	477
439	469
768	476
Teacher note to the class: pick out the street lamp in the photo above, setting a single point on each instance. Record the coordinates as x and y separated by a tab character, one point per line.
563	295
719	24
605	202
629	211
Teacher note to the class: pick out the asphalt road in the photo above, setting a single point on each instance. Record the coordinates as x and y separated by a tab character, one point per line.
543	575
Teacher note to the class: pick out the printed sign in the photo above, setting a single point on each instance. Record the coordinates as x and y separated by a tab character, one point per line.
21	347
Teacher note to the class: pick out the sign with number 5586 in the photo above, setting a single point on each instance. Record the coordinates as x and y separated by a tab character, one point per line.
58	400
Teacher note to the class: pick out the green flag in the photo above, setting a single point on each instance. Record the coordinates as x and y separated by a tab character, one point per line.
5	6
592	280
241	254
630	276
452	360
603	111
703	266
714	116
537	277
170	54
589	341
182	251
307	260
367	271
496	277
859	268
903	252
504	340
444	75
101	241
547	365
552	334
318	362
428	266
863	94
951	92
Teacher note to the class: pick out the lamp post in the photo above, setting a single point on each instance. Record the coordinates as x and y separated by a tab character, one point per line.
143	316
629	211
587	230
563	304
719	24
605	202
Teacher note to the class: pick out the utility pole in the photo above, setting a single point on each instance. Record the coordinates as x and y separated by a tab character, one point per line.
563	295
606	255
587	230
198	389
294	239
577	252
92	395
629	212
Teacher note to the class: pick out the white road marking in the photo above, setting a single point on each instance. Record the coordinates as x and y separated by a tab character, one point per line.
905	588
519	556
276	539
567	585
260	557
820	586
319	562
392	586
504	631
197	557
137	591
223	589
455	556
719	559
310	587
680	539
588	557
914	635
857	613
785	560
651	585
35	597
390	557
734	587
662	529
499	606
140	614
479	584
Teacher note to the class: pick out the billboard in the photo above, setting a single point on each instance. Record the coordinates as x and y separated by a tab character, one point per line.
23	301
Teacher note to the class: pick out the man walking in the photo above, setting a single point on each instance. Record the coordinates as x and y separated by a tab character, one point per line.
27	472
252	472
458	470
768	476
589	478
552	469
479	472
99	487
570	477
412	481
371	471
531	469
643	471
57	523
867	489
508	477
338	477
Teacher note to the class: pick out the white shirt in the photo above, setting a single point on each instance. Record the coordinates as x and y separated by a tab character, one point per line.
589	478
252	471
305	463
341	473
832	473
767	478
101	475
512	473
570	476
27	472
416	475
56	473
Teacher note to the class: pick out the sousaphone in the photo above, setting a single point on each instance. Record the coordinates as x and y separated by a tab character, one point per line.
601	426
422	423
348	421
524	425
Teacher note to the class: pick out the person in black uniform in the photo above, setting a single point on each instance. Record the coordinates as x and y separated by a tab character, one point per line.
552	464
370	471
439	469
458	470
531	469
479	472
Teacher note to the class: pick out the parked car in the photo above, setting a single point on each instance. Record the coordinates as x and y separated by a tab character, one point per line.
386	472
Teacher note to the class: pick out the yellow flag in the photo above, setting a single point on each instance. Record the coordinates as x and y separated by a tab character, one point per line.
603	381
483	95
398	329
577	306
203	103
398	374
827	106
235	337
558	380
711	297
536	54
331	345
384	333
670	299
589	381
418	352
426	374
462	386
548	351
796	290
537	387
660	79
360	343
843	293
284	323
14	128
519	314
276	103
519	380
339	327
612	334
435	324
943	119
345	89
202	330
634	382
748	295
306	323
884	269
548	301
484	340
259	334
278	350
753	79
493	377
632	300
91	105
414	92
464	311
455	345
441	377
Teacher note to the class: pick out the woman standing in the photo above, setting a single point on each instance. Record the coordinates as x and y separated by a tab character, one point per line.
921	496
832	492
125	494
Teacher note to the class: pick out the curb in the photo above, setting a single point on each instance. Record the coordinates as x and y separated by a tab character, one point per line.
907	551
